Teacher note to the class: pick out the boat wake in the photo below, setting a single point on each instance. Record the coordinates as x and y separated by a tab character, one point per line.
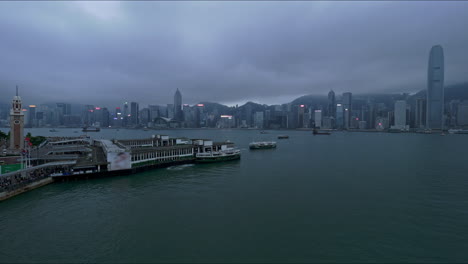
180	167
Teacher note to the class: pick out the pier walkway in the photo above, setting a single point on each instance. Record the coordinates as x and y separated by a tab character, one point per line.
17	182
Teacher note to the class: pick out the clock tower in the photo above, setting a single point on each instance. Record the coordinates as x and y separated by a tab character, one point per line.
16	124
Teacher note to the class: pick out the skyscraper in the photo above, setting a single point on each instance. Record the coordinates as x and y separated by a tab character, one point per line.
126	114
318	118
435	89
300	116
339	116
170	111
347	104
32	116
400	114
178	114
331	109
134	112
420	113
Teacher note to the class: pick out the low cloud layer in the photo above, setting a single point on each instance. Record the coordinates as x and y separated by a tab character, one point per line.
105	53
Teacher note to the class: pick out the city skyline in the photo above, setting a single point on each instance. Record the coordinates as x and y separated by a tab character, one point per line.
106	52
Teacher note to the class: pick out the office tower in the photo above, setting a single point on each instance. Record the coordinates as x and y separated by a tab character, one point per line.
178	114
16	124
462	117
126	115
308	118
453	112
318	118
435	89
170	111
331	109
189	115
154	112
400	114
97	116
372	115
267	118
65	109
88	115
200	115
248	112
118	118
347	105
300	116
145	116
339	116
258	120
420	113
61	110
105	116
32	116
134	112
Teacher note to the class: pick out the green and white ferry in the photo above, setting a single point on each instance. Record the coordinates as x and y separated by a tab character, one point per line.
262	145
218	156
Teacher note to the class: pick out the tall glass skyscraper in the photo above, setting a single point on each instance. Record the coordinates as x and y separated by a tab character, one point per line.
178	115
347	105
435	89
331	109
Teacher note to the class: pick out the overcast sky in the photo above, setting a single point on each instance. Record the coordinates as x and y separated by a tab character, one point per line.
105	53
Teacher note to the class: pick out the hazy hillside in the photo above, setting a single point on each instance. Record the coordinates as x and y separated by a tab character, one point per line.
452	92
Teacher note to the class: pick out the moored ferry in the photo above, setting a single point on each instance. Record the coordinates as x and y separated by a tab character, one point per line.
217	156
262	145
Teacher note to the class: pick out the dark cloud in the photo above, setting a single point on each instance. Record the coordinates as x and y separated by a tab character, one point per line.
109	52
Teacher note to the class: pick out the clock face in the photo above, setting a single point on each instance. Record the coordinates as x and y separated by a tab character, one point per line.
17	122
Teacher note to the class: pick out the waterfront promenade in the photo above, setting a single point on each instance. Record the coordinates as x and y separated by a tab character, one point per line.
17	182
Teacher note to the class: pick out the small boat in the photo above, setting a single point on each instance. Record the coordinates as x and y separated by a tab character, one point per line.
53	130
218	156
442	134
262	145
91	129
283	136
263	132
316	132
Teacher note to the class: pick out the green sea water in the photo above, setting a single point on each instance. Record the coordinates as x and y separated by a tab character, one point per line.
347	197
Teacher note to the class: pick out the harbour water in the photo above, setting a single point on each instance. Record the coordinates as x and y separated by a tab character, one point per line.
366	197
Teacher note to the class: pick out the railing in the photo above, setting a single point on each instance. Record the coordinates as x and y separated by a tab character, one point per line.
18	179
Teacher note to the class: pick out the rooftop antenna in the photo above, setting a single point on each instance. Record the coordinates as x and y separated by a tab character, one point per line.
16	90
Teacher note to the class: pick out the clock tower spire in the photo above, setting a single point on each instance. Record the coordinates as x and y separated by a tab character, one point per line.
16	124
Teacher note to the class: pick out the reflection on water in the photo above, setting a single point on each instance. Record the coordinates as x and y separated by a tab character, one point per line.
180	167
